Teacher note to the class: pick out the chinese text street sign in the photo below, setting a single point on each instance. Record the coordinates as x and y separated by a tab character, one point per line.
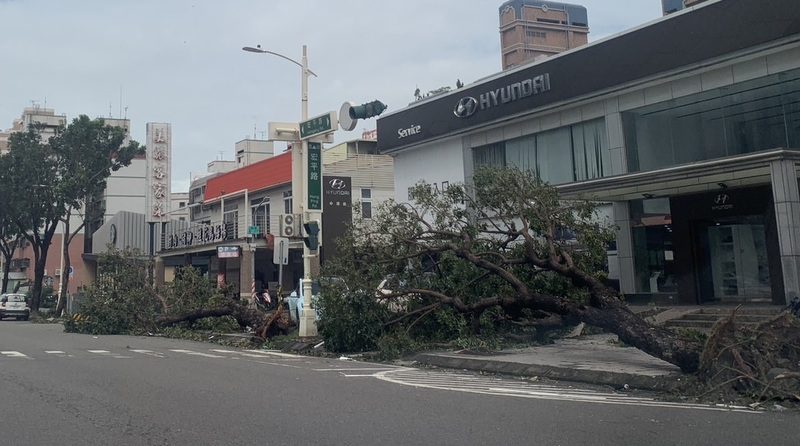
314	176
318	125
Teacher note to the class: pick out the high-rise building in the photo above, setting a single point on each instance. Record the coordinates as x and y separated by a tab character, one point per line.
534	29
670	6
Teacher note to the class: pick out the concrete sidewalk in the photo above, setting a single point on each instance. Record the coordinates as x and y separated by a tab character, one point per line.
597	359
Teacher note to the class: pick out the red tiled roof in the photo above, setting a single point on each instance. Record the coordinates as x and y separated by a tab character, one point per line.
262	175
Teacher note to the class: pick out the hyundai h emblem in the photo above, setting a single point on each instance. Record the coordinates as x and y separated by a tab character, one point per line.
337	184
466	107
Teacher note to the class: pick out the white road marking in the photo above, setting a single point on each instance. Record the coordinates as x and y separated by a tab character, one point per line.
275	363
194	353
12	354
109	354
249	355
54	352
274	353
148	353
355	369
520	389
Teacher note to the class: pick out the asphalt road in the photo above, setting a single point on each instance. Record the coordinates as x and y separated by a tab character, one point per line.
66	389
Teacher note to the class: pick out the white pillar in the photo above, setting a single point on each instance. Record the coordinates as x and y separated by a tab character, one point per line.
787	216
627	271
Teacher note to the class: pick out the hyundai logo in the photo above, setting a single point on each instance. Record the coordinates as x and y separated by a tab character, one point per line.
337	184
466	107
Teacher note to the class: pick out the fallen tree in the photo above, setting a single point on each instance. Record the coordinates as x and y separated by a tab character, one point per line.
266	324
123	301
535	254
508	252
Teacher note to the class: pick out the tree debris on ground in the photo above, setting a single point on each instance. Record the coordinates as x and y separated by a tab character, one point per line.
759	362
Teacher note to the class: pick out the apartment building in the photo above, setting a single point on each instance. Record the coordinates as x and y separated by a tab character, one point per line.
532	30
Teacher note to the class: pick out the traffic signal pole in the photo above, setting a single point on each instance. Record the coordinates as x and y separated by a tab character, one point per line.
300	187
308	321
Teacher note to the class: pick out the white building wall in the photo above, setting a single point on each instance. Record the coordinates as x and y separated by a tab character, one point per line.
125	189
438	163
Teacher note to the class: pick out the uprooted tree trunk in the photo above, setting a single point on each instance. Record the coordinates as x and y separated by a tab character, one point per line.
613	316
265	325
762	361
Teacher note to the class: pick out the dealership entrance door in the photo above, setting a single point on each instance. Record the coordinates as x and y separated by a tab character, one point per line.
733	260
726	247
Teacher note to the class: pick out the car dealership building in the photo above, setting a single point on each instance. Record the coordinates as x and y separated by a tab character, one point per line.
686	130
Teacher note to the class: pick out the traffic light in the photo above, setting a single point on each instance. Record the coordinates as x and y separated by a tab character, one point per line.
368	110
349	114
312	235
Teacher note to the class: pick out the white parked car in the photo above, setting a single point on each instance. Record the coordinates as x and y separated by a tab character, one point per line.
14	305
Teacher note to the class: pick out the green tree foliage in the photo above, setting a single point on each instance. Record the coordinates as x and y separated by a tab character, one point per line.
122	301
350	320
31	172
89	151
10	236
48	180
505	250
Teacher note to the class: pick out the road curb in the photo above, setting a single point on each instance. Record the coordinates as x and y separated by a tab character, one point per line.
615	379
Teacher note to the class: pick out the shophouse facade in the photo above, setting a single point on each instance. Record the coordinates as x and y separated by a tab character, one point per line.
236	215
685	131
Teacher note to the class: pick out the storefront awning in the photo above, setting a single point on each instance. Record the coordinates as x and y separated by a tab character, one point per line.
703	176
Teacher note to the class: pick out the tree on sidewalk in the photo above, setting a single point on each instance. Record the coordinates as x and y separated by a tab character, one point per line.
89	152
9	236
53	179
507	246
31	171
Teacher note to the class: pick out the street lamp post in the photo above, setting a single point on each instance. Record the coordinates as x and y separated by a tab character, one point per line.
305	73
300	172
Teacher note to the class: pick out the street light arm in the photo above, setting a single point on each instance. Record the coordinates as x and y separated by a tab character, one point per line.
259	50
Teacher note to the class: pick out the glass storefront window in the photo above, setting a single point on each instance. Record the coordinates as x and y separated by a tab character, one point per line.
589	150
573	153
654	257
492	155
760	114
554	156
521	153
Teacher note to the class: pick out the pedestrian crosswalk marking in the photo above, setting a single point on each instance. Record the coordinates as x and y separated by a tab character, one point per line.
274	353
148	353
194	353
249	355
109	354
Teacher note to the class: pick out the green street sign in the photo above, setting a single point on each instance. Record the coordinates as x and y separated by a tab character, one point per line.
314	176
254	230
318	126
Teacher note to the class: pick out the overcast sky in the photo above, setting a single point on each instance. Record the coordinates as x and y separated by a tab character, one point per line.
181	61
